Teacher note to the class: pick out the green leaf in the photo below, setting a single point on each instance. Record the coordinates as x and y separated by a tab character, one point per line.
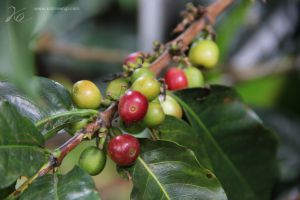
54	98
74	185
176	130
166	170
51	112
242	152
20	153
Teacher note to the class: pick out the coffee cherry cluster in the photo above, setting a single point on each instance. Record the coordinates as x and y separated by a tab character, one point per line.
136	103
143	101
204	54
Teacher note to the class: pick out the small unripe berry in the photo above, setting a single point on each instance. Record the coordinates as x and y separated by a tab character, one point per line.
132	107
117	88
92	160
155	115
194	76
175	79
86	95
141	72
204	53
124	149
149	87
171	107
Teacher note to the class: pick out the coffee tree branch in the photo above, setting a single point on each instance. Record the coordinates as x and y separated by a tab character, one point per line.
211	13
103	120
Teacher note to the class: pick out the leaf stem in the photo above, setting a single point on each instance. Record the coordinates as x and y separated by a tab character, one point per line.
190	33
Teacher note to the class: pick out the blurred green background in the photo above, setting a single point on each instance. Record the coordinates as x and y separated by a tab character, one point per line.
69	40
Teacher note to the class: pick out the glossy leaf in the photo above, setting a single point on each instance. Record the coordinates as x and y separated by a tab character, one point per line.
166	170
54	98
53	109
20	153
75	185
176	130
242	152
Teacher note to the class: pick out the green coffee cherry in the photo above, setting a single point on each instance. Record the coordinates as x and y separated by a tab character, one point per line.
194	76
155	115
148	86
204	53
92	160
141	72
117	88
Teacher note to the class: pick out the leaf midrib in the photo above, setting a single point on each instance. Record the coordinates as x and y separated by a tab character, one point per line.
207	132
154	177
55	186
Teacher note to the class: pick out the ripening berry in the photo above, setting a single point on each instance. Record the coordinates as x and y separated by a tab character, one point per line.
132	107
124	149
86	95
171	107
204	53
175	79
132	58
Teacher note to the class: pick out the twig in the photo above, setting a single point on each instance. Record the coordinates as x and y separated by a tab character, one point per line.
187	36
275	66
104	119
48	44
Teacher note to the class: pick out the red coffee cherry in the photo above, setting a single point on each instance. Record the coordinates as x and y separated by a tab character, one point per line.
176	79
124	149
133	107
132	58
